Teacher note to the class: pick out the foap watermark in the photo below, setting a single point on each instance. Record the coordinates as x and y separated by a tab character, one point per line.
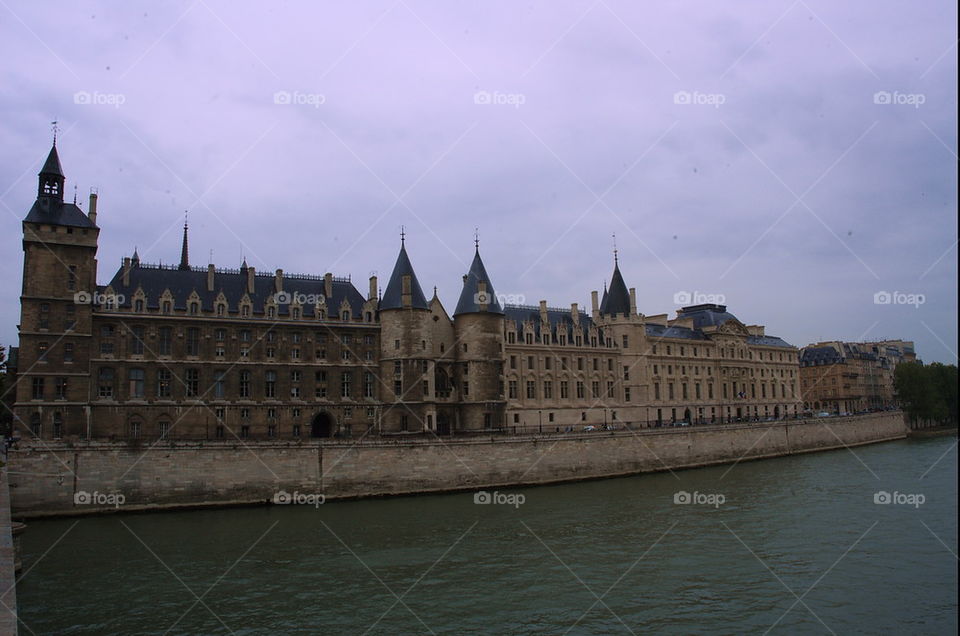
496	98
99	298
696	98
884	498
714	499
296	98
298	298
96	498
514	499
282	497
897	98
698	298
96	98
898	298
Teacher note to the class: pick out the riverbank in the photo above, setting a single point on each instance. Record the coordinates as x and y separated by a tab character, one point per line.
8	559
938	431
101	477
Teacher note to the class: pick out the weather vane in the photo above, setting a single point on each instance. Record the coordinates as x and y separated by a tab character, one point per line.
403	235
614	247
476	237
55	129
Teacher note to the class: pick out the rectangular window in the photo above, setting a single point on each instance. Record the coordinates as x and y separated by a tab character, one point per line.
61	387
164	382
72	278
270	384
136	381
345	379
368	385
512	387
626	394
595	389
70	321
164	341
547	389
244	384
531	389
193	382
656	390
580	390
136	341
218	384
105	383
321	382
44	320
564	389
37	388
466	388
193	341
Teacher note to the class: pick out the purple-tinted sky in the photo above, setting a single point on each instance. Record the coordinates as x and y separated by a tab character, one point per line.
795	158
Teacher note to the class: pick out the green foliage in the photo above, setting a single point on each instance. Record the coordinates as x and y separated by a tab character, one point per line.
927	393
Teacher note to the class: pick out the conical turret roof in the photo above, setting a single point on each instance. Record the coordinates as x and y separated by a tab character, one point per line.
617	298
52	164
471	299
393	296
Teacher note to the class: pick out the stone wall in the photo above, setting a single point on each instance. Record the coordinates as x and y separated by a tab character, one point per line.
48	479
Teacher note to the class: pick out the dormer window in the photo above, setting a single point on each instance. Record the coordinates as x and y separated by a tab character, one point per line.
138	305
194	308
167	307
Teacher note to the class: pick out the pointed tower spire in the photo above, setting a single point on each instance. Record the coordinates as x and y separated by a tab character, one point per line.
51	175
403	290
616	300
135	259
184	259
478	295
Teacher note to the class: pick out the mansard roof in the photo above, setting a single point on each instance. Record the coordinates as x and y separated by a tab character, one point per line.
155	279
393	296
560	320
56	212
616	300
468	302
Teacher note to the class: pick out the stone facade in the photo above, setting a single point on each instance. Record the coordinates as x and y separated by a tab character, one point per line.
851	377
207	353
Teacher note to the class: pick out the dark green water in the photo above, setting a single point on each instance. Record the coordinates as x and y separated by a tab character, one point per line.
802	527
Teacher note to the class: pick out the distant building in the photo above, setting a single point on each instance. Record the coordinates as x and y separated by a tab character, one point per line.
848	377
210	353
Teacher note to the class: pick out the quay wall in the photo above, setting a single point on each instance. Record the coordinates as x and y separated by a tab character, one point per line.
50	479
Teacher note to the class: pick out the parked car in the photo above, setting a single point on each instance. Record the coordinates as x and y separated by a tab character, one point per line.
588	428
824	414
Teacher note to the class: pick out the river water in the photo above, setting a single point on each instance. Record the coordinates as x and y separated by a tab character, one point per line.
789	545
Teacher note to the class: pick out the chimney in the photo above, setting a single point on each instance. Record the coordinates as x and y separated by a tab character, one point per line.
575	313
633	301
251	276
595	303
92	214
328	285
278	281
372	294
126	271
210	272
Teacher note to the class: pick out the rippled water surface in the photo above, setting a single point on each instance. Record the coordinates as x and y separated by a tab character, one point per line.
798	544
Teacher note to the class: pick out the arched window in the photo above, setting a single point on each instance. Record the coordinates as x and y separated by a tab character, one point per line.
167	307
138	305
345	315
194	308
221	309
35	427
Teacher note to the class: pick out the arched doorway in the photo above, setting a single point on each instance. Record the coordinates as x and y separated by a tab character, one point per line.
776	412
443	424
686	416
322	425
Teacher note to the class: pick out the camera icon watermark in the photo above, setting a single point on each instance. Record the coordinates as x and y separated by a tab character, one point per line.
682	497
98	298
698	298
96	98
484	498
898	298
298	298
282	497
896	98
884	498
696	98
296	98
96	498
496	98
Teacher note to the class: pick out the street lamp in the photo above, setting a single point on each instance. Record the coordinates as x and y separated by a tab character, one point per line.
540	417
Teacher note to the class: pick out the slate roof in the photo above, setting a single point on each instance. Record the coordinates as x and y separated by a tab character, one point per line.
468	297
659	331
52	164
616	300
56	212
154	279
813	356
561	320
393	296
708	315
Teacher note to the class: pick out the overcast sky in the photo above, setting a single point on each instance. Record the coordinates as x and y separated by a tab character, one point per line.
791	158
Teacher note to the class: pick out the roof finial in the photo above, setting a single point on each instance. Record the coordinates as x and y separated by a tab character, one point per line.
403	235
74	193
614	248
55	129
476	238
184	260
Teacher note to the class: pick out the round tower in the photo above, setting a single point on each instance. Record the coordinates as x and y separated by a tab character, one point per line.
406	353
478	328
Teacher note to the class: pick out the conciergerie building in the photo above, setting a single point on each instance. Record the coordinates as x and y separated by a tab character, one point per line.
191	352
